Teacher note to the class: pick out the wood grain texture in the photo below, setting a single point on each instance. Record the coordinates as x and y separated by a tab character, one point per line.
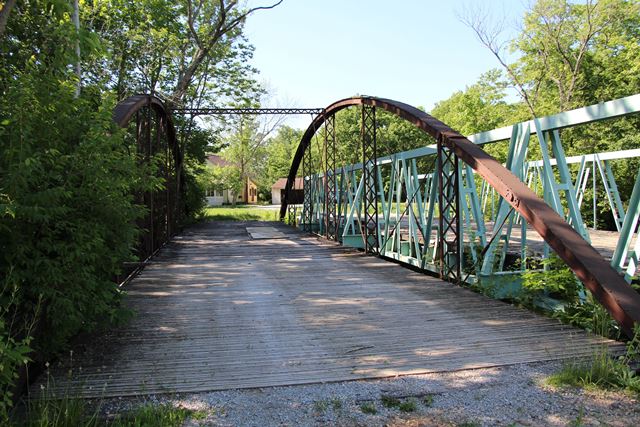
216	309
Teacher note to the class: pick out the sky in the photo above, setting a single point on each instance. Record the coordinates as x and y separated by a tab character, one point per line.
311	53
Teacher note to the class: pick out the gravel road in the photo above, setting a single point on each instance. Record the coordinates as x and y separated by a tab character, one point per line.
505	396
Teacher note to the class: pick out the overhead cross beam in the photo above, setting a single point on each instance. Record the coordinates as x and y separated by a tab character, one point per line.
246	111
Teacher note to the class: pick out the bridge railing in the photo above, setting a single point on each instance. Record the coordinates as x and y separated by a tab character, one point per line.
430	207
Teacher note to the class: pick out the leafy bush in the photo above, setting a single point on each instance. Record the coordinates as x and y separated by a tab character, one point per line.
193	202
12	355
68	216
71	185
590	316
556	280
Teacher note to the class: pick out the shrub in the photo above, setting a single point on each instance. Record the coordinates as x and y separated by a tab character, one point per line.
556	280
67	220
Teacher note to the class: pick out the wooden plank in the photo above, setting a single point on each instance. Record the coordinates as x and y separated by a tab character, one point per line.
218	310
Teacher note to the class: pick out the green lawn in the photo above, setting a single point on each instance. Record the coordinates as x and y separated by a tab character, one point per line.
241	213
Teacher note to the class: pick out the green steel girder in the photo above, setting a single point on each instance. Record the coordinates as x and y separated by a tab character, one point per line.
414	197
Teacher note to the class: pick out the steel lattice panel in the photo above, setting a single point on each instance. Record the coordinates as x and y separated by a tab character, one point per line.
369	170
449	238
330	178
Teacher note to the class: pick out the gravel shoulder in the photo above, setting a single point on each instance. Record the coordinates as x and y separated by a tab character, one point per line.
505	396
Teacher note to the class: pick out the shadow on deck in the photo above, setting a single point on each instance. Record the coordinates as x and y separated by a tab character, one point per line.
217	309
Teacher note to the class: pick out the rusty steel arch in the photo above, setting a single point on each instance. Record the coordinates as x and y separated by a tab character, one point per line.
155	135
608	287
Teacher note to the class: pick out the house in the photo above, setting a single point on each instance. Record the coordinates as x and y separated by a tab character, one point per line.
220	196
251	192
277	192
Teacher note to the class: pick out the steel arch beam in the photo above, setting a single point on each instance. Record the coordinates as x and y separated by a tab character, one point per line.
608	287
126	111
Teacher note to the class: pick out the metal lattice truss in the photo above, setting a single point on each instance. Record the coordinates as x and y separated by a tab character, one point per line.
449	241
331	184
369	179
309	194
427	208
246	111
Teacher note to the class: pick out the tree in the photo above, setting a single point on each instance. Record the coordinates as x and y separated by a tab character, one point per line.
393	134
67	186
67	181
480	107
190	53
230	178
187	51
247	145
569	54
566	50
209	23
278	157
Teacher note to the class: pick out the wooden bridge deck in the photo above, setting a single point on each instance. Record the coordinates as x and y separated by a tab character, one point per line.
217	309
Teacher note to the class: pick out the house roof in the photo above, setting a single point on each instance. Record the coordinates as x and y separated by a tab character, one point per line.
215	160
282	183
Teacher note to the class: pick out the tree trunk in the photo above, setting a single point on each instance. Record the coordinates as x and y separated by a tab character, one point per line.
76	23
4	15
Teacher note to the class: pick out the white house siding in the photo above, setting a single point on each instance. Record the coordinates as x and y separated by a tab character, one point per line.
275	196
215	200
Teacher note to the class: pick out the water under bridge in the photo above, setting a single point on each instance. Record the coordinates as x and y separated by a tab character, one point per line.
367	277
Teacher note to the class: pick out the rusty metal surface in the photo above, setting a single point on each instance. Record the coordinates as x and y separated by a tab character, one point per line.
609	288
155	136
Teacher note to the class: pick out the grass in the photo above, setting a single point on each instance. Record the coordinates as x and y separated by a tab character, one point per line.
320	406
579	420
58	413
390	401
153	415
241	213
368	408
336	403
428	400
600	372
72	412
408	405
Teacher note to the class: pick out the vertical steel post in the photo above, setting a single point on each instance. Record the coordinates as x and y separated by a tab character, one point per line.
292	207
164	200
449	242
306	185
595	196
149	159
370	173
330	189
140	198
